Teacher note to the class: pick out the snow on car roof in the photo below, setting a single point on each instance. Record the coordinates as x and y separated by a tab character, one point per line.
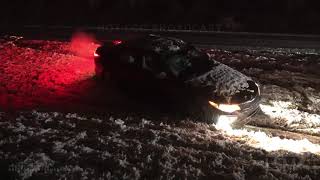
161	44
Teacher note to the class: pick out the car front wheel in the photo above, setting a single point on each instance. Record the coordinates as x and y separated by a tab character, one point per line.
209	114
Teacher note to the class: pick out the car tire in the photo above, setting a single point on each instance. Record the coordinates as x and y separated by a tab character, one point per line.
199	110
106	75
209	114
245	119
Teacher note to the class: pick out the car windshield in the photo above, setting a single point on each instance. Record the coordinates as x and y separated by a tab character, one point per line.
165	45
188	62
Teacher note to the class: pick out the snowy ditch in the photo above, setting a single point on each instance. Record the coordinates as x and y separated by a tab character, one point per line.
69	145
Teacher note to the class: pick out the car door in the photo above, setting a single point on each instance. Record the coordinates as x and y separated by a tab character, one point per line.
127	65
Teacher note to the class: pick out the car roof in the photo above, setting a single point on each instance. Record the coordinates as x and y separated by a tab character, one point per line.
159	44
180	58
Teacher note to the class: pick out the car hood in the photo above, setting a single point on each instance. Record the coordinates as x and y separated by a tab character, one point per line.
222	82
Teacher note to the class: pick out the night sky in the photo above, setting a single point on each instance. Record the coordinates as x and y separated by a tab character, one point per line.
280	16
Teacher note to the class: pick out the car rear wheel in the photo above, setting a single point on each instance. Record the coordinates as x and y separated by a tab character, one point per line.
106	76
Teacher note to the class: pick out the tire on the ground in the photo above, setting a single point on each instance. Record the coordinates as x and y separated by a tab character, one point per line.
244	119
209	114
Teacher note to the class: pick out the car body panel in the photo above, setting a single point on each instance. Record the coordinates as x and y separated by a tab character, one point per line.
177	70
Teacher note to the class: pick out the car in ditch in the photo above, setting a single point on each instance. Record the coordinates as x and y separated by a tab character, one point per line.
176	75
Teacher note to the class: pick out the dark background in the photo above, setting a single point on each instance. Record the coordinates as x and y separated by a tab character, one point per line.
271	16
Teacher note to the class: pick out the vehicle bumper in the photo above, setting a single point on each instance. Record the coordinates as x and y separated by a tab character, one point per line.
98	67
242	117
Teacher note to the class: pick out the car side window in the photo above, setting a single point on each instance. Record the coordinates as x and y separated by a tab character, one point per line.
177	64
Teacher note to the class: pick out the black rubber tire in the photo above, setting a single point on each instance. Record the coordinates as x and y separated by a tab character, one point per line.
106	76
209	115
199	109
245	119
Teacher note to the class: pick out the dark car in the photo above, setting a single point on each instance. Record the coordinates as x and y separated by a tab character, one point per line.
175	74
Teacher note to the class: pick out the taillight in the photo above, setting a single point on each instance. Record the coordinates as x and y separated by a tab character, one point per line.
95	54
116	42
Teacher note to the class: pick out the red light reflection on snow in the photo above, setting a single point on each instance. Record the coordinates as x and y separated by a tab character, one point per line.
57	75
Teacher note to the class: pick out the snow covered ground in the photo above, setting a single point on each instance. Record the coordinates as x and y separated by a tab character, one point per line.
37	144
57	121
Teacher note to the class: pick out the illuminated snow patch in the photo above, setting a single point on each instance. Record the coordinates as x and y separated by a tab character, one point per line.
287	111
224	122
264	141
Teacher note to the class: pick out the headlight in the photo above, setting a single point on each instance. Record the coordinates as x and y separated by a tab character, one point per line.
229	108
